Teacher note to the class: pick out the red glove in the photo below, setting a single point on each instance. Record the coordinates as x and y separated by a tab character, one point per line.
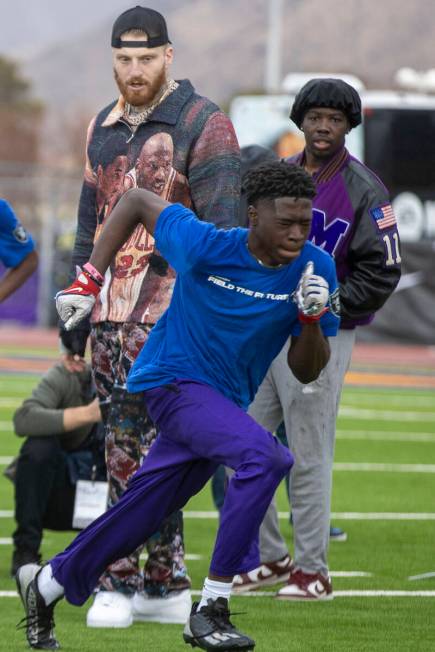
76	302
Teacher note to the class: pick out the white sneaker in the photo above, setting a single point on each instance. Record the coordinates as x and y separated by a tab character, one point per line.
174	608
110	609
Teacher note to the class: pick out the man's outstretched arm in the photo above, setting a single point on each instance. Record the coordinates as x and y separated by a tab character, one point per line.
15	277
137	206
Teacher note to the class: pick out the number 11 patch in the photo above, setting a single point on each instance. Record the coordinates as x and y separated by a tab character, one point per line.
383	216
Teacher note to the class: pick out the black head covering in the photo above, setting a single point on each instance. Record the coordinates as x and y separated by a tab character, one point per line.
329	93
145	19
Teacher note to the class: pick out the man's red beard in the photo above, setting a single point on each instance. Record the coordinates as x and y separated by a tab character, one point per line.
144	96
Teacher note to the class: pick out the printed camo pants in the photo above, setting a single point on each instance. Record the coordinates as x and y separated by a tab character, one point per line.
129	435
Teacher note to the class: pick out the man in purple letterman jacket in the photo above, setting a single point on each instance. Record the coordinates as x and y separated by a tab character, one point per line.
352	220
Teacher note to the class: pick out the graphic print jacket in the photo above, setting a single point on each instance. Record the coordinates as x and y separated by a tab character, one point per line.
185	152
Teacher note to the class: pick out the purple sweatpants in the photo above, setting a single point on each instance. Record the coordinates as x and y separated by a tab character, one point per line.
198	430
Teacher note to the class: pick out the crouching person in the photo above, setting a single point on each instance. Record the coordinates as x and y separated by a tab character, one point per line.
59	422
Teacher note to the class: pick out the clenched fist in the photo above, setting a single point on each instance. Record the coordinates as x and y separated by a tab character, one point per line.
312	295
76	302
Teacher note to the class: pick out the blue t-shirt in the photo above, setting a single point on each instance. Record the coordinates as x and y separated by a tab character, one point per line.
229	315
15	242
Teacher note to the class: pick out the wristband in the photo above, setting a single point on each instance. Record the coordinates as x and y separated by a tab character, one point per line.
84	285
87	283
93	273
311	319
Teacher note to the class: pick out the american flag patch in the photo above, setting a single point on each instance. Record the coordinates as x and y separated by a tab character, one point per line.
383	216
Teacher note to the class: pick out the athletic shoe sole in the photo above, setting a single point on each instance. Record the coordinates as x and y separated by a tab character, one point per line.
269	581
104	624
173	610
191	640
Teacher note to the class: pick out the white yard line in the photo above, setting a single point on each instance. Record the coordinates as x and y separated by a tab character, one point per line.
384	467
350	574
4	461
344	594
378	516
8	594
343	516
346	516
384	415
10	402
381	435
423	576
337	594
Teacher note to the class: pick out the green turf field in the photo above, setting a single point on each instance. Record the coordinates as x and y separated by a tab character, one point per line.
383	497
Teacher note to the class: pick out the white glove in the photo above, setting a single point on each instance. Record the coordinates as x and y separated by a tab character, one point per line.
72	308
312	293
76	302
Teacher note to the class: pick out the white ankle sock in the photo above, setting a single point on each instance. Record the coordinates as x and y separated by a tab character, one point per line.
213	589
49	588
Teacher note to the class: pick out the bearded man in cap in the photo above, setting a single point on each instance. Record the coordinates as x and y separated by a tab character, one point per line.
353	221
203	173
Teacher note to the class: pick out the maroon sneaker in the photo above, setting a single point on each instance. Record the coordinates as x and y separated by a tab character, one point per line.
274	572
306	586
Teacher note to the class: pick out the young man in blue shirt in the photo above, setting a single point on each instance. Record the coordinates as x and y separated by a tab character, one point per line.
239	294
17	252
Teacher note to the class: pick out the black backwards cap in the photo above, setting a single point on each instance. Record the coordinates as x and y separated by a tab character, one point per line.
328	93
145	19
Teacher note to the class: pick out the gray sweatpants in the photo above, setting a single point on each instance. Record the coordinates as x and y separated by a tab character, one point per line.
309	413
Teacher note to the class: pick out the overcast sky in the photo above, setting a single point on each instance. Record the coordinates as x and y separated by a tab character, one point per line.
29	26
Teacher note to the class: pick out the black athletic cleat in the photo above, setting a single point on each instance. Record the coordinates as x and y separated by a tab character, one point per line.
38	621
211	629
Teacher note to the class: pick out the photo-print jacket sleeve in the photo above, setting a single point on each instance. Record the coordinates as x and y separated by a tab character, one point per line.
214	172
87	213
